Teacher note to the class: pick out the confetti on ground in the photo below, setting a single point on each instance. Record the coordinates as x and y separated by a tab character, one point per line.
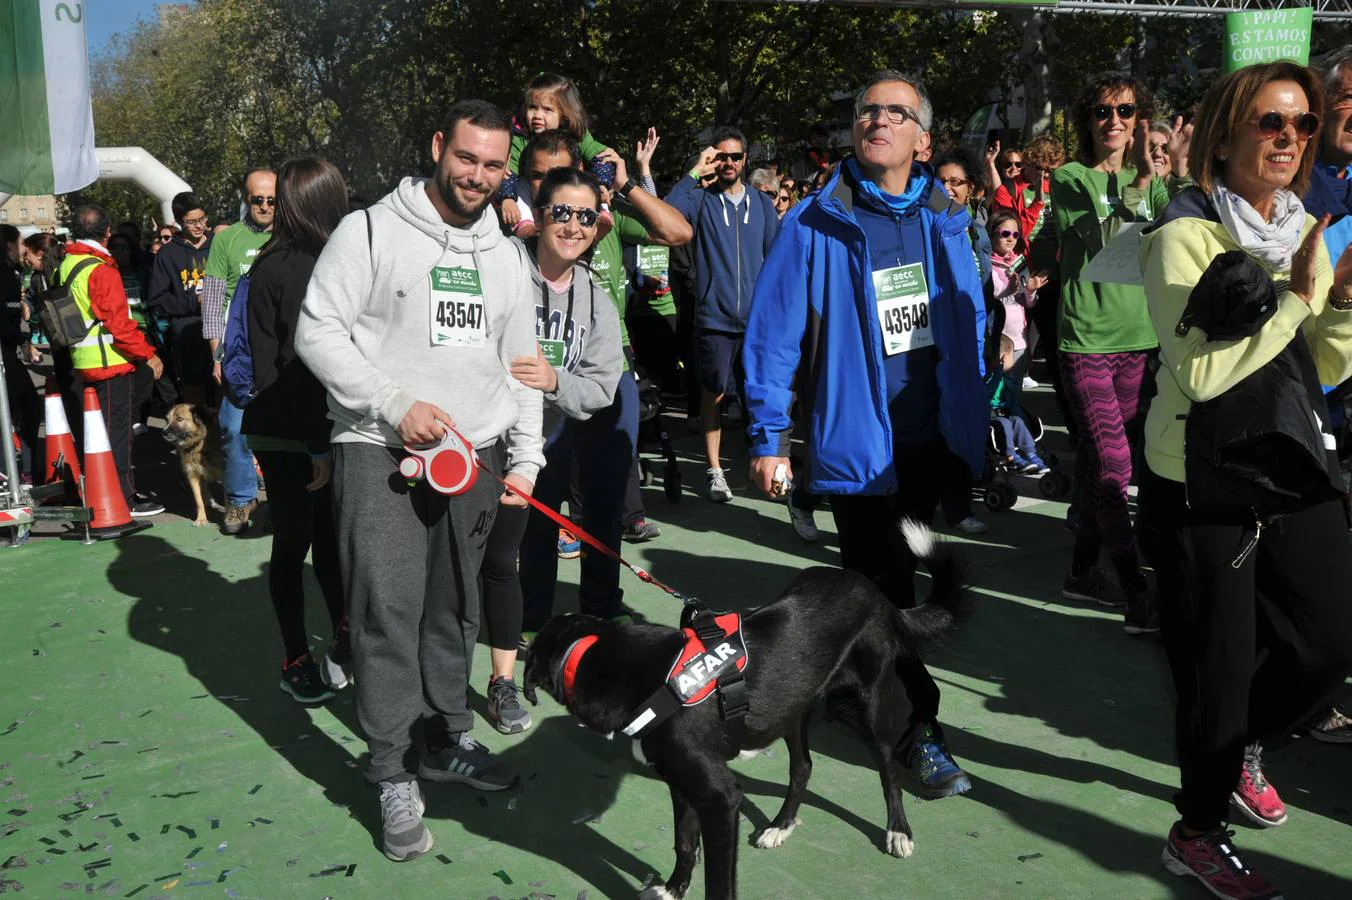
443	859
1030	856
256	788
500	873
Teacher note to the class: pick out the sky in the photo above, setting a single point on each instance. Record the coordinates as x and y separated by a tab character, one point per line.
106	18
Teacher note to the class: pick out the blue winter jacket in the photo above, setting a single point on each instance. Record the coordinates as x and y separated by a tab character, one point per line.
814	318
729	249
1328	193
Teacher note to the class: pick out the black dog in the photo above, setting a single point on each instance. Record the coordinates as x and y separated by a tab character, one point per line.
830	629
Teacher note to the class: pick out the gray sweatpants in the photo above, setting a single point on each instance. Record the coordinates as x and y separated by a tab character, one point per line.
410	559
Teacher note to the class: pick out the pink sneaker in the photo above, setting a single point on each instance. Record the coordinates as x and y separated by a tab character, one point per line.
1213	860
1253	796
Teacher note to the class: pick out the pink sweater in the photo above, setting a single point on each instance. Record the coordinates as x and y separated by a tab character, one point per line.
1009	290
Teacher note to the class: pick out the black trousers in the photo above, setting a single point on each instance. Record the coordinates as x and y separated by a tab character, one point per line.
872	544
500	582
25	407
115	402
1254	649
302	524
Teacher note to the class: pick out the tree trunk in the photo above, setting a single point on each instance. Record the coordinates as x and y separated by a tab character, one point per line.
1037	80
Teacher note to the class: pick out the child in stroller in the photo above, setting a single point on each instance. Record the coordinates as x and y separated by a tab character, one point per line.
1010	432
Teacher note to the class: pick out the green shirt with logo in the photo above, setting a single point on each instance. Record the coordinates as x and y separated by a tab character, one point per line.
232	253
608	263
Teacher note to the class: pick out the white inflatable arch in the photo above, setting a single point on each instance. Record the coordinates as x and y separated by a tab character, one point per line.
134	164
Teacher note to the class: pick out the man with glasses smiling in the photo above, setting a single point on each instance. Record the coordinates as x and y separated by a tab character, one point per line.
232	253
866	309
175	296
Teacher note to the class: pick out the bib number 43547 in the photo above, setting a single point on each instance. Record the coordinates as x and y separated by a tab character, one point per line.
457	308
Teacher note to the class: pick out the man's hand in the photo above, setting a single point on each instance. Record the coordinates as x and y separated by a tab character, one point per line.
706	164
621	171
157	367
510	498
510	212
763	473
321	469
643	153
535	372
424	424
216	371
1180	143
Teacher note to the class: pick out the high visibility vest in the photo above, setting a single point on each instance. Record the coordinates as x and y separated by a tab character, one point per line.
95	350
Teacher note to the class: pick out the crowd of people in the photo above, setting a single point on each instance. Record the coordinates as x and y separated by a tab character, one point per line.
872	317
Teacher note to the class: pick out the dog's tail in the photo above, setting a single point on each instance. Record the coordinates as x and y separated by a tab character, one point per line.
947	598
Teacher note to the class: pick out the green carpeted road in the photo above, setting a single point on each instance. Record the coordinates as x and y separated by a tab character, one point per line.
146	750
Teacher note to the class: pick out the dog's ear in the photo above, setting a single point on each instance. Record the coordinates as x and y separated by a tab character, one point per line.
197	415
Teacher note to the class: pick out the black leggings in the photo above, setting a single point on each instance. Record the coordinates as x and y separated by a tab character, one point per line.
1254	649
302	523
501	589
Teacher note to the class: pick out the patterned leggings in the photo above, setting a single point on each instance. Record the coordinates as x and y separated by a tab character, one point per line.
1104	391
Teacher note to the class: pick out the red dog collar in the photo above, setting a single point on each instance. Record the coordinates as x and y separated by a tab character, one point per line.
571	660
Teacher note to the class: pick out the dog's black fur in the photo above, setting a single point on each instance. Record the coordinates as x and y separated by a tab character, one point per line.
830	629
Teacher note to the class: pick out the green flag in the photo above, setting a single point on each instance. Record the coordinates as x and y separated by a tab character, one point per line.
1264	36
48	124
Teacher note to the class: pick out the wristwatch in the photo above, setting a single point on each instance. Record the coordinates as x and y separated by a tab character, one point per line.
625	188
1342	304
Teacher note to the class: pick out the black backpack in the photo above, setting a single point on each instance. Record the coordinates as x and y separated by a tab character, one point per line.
62	321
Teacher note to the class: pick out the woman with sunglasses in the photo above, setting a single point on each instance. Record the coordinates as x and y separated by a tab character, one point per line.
1254	605
578	368
1104	332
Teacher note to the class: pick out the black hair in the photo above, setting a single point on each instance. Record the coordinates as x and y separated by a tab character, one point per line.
728	133
9	234
555	140
566	177
52	250
1082	110
957	156
184	203
89	223
311	201
476	112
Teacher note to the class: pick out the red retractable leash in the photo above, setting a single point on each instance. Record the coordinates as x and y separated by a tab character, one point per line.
451	467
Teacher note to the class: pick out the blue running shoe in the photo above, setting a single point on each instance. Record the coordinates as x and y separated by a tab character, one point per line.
933	770
569	546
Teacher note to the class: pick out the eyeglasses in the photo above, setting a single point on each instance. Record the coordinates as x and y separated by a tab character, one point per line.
200	220
262	201
895	112
729	157
562	214
954	182
1004	233
1271	124
1103	111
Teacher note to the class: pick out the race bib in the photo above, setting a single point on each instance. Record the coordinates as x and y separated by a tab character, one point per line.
654	261
554	352
457	308
903	308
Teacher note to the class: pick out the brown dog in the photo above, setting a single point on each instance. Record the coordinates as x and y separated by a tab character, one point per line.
194	435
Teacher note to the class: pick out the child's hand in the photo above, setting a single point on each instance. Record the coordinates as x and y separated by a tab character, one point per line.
643	153
1036	281
510	212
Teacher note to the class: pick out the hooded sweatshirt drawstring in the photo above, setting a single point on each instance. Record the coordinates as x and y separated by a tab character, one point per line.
478	267
445	248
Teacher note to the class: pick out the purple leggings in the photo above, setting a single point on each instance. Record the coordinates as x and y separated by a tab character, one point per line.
1104	391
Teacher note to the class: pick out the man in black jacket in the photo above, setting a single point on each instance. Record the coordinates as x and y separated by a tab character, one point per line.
175	297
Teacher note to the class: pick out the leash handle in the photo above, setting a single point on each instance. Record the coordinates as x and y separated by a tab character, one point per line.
573	528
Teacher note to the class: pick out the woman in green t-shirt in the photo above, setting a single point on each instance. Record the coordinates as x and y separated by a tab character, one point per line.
1104	329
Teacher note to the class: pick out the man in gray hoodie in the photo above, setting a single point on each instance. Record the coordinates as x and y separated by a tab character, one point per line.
414	312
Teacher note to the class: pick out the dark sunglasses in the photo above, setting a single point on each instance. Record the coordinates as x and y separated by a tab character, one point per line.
166	238
1014	165
1124	111
1003	233
729	157
1271	124
262	201
562	214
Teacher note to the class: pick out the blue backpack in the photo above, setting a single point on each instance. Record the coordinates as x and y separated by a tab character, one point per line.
237	372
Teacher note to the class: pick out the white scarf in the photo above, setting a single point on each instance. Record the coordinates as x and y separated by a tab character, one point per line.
1272	242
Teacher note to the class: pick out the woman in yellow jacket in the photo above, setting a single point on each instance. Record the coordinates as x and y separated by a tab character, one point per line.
1231	588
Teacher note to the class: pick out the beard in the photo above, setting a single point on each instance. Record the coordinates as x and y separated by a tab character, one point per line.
457	204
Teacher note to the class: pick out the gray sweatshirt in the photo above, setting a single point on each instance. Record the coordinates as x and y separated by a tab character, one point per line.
592	357
422	310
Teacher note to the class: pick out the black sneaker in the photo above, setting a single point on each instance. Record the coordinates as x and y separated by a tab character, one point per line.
300	679
1090	587
1143	614
505	711
640	531
934	772
143	507
468	762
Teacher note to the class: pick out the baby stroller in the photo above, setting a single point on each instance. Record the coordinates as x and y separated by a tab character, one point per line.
997	488
651	430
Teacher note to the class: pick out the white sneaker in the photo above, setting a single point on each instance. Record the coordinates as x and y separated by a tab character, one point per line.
1029	384
803	524
971	525
719	492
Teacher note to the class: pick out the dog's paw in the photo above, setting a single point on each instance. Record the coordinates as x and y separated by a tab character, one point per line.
899	844
770	838
658	892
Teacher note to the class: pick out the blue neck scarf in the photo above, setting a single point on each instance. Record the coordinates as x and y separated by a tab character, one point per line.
917	187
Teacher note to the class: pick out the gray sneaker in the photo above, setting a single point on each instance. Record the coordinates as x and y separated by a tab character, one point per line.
804	525
719	492
504	709
401	812
467	761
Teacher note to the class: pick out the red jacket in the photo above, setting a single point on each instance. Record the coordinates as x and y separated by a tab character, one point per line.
1014	202
108	303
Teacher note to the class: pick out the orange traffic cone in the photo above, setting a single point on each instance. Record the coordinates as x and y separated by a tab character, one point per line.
103	490
62	460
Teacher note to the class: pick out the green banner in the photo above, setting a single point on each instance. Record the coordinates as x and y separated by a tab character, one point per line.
1268	35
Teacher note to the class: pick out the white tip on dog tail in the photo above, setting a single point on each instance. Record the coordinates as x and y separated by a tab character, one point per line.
919	538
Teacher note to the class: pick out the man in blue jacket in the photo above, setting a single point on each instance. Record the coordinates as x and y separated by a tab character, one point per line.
867	303
734	228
